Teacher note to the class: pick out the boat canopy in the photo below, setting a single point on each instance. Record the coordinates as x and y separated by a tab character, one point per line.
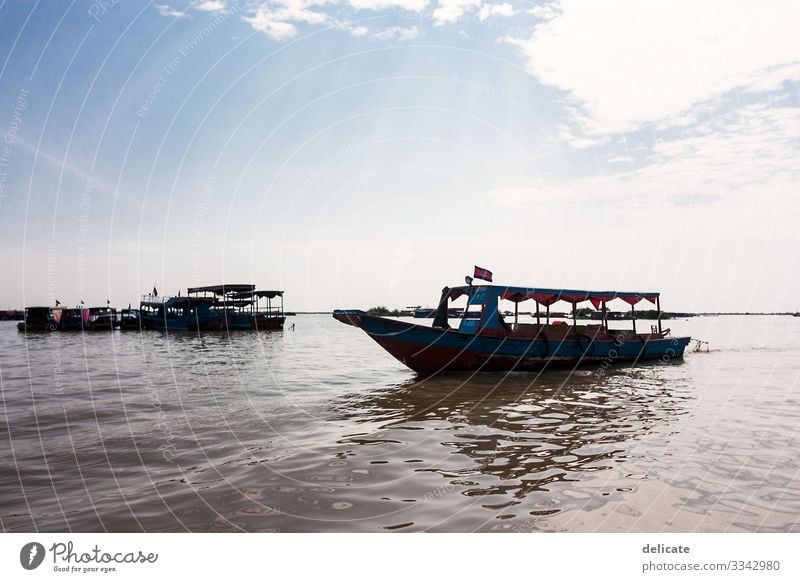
223	289
252	293
550	296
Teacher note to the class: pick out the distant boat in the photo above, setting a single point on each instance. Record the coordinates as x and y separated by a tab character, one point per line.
85	318
179	313
37	319
102	319
486	342
71	318
129	319
12	315
243	307
214	308
424	312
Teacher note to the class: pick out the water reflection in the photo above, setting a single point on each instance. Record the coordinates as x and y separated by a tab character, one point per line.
519	435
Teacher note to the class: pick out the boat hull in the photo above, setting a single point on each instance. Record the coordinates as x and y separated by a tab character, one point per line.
248	322
431	350
187	323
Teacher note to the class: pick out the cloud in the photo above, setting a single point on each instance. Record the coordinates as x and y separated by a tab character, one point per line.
488	10
278	19
271	25
210	6
359	31
410	5
169	11
630	62
743	154
544	11
398	33
452	10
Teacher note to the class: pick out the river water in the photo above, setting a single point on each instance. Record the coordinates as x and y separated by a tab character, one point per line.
318	429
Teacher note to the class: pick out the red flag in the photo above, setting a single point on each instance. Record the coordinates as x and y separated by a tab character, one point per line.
481	273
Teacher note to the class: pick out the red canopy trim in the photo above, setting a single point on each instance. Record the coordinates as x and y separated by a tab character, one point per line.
575	297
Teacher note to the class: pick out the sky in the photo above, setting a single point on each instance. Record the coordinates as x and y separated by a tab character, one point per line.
368	152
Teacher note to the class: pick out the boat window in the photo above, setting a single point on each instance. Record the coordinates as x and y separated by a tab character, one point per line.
473	312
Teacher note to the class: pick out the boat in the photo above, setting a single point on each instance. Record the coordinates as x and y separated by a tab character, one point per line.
176	313
129	319
485	341
37	319
12	315
253	310
71	318
101	319
243	307
214	308
430	313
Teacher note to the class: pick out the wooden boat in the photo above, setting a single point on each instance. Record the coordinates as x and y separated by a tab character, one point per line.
253	310
242	307
484	341
101	319
37	319
129	319
213	308
72	318
179	313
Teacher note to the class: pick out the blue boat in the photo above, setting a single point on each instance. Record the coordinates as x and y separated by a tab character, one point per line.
485	341
179	313
243	307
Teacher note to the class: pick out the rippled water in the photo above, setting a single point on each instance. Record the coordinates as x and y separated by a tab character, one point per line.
320	430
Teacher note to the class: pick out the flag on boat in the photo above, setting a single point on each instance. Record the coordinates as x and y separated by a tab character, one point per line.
481	273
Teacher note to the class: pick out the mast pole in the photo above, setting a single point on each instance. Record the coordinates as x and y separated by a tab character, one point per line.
658	308
633	316
603	319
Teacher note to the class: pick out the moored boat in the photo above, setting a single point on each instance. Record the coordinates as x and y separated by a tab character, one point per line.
37	319
253	310
484	341
242	307
72	318
129	319
101	319
214	308
179	313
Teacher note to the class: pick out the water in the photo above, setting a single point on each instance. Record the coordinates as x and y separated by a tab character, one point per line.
320	430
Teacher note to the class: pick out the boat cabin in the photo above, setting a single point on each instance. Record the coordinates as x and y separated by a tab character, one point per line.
483	313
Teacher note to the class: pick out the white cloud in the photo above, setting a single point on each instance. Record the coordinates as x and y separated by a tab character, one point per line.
544	11
271	25
488	10
751	151
398	33
452	10
632	62
278	19
359	31
169	11
410	5
210	6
